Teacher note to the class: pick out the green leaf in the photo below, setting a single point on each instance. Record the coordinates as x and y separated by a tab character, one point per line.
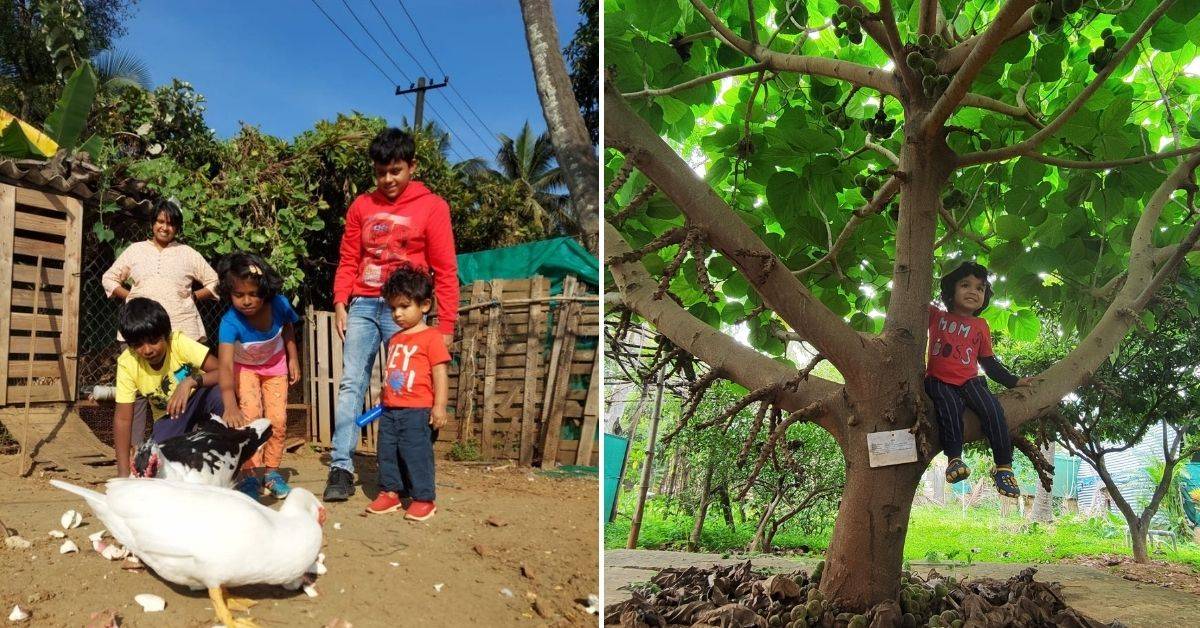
13	143
1168	36
1193	125
673	110
70	114
654	17
1011	228
1024	325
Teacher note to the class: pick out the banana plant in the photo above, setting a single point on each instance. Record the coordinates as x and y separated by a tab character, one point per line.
64	126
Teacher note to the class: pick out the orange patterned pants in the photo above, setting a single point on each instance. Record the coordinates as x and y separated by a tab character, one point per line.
264	397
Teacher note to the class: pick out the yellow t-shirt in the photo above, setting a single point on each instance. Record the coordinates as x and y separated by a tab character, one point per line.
136	378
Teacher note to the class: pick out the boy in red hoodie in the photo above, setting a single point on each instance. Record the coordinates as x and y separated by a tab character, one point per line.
400	221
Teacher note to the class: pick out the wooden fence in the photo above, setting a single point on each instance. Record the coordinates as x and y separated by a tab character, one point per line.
525	369
40	236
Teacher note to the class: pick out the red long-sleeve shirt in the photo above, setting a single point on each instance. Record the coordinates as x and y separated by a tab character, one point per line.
380	234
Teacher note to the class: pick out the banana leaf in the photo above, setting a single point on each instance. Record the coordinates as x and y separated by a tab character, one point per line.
20	140
66	123
14	143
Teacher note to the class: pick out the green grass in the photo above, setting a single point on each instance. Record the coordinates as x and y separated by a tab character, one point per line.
935	534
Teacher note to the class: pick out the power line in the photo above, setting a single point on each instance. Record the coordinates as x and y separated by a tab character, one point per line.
360	50
469	125
397	38
381	48
487	145
439	67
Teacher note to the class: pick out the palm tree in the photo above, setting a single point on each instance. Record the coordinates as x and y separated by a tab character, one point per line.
529	162
121	69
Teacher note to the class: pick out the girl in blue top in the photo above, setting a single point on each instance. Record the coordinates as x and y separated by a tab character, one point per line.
257	357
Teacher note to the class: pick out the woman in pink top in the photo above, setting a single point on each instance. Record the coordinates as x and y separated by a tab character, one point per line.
164	270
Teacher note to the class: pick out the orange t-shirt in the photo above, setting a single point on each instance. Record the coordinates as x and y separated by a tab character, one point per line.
409	366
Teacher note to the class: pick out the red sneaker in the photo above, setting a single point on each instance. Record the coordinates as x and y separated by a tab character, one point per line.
420	511
386	502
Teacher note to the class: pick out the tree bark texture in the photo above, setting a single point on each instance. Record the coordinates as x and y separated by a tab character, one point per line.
635	527
1043	500
572	144
701	510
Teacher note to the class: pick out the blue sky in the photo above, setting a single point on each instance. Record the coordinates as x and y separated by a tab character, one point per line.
280	64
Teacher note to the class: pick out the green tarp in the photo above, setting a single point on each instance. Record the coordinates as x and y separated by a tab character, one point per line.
553	259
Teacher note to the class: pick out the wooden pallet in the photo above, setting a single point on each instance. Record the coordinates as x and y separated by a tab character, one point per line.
514	382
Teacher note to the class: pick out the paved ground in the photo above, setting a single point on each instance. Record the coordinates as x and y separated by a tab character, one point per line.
1104	596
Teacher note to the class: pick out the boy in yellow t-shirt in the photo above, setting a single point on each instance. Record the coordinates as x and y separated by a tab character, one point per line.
175	374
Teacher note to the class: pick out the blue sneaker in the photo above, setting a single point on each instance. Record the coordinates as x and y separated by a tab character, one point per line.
250	486
275	483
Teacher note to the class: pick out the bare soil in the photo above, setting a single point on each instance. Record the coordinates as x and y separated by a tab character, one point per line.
508	547
1176	576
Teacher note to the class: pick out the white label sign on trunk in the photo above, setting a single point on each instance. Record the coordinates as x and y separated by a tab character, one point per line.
889	448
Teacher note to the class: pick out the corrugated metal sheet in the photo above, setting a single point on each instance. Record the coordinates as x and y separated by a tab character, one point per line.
76	175
1128	470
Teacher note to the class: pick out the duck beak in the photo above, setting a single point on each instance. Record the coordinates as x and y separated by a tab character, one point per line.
321	515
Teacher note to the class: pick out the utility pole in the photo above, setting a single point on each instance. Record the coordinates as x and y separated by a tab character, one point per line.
420	88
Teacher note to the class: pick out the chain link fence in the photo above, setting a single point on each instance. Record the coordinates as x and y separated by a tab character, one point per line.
98	344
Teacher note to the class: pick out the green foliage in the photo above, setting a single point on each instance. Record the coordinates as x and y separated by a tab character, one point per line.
66	123
784	157
465	451
65	27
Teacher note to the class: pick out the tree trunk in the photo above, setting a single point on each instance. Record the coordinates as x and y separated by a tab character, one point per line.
1138	531
759	541
572	144
866	551
701	511
1043	500
726	509
635	527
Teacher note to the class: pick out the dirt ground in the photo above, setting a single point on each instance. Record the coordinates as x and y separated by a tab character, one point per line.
458	569
1159	572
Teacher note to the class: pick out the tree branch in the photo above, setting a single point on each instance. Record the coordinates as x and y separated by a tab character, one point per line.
735	361
885	193
727	233
980	55
1035	140
930	9
1113	163
1022	404
955	56
701	80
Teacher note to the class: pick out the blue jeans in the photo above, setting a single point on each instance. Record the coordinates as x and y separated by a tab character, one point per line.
405	451
368	325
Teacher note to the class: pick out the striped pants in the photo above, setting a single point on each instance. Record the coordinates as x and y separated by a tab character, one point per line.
950	402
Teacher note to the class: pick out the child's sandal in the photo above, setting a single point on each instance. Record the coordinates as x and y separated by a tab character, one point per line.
956	471
1006	482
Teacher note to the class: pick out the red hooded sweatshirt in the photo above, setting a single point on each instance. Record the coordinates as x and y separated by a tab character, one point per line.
380	234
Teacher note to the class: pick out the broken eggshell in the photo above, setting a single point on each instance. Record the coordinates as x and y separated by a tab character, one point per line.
17	614
310	590
110	551
67	547
71	519
58	534
150	603
96	536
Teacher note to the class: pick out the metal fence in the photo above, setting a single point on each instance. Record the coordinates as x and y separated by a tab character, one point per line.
98	344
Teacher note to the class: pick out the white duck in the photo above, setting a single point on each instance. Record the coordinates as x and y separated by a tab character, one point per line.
207	537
